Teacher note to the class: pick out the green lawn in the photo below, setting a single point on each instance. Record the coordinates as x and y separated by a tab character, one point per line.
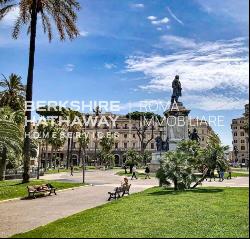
14	189
159	213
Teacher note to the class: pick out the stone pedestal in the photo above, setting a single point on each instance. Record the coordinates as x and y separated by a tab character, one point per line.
176	130
155	162
176	124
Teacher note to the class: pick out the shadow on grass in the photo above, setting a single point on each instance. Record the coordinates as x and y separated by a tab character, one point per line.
173	192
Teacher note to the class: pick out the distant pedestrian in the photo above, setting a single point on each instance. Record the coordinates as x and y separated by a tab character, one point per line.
147	172
125	168
71	170
229	173
222	173
134	173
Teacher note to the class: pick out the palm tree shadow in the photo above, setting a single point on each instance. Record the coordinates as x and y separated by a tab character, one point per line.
169	191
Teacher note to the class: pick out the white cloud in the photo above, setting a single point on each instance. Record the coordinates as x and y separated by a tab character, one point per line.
150	105
221	66
110	66
176	41
69	67
152	18
10	18
165	20
215	102
84	33
174	16
236	9
137	5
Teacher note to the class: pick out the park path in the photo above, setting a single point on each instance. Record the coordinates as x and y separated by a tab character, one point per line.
20	216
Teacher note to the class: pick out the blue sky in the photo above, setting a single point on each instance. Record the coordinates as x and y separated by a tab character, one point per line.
130	51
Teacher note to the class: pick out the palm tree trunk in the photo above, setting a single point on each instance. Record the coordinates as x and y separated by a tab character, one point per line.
46	157
80	155
71	149
3	164
39	161
83	165
202	179
51	156
68	150
29	92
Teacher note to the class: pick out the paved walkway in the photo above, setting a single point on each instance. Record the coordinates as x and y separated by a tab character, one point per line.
234	182
24	215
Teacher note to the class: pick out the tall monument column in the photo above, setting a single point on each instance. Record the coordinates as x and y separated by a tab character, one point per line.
176	117
176	126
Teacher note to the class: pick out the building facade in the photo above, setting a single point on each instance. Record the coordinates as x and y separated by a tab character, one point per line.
240	136
126	131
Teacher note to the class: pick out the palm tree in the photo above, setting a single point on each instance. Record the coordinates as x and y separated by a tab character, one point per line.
213	157
83	141
13	93
57	141
177	167
10	137
63	13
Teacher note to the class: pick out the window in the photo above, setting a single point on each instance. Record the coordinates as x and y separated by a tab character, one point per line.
243	147
152	145
242	134
203	139
235	141
126	126
116	145
134	136
235	134
125	136
134	145
125	145
242	141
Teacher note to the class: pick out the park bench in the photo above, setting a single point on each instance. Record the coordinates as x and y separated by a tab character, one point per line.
33	190
119	192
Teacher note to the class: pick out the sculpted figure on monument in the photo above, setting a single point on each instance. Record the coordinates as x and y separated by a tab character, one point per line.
161	145
177	89
194	135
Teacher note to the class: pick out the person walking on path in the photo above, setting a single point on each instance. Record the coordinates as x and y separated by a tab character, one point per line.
229	173
71	170
134	173
147	172
222	173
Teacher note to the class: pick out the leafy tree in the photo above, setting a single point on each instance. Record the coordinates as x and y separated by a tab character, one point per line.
10	137
145	122
64	16
132	158
13	92
107	144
